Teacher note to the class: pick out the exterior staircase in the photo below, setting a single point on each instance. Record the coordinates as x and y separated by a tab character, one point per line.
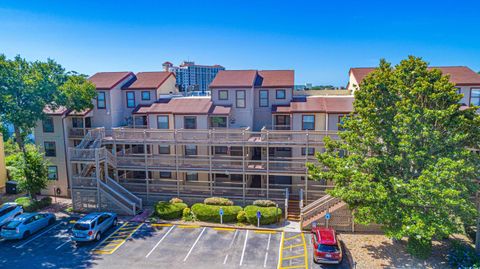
293	209
318	209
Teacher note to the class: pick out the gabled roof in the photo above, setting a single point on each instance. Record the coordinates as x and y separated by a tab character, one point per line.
253	78
149	80
108	80
460	75
185	106
318	104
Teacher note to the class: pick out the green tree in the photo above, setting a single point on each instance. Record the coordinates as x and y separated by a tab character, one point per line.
30	170
409	165
26	88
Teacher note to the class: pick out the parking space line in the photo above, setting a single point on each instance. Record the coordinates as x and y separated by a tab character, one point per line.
294	246
264	232
161	225
230	246
305	253
38	235
293	257
280	251
160	241
293	237
244	247
63	244
112	245
294	266
266	252
196	241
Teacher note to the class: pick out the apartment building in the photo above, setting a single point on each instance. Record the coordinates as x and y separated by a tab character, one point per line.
192	77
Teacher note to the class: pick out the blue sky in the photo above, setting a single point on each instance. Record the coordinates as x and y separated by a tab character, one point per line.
321	40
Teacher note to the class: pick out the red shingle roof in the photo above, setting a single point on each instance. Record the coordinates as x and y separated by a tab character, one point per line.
58	111
318	104
149	80
460	75
108	80
251	78
184	105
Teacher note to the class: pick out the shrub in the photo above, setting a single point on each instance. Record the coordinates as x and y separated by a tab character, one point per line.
166	210
264	203
175	200
187	215
218	201
269	214
462	255
241	217
210	213
30	205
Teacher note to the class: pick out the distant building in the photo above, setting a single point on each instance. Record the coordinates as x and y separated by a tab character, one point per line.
192	77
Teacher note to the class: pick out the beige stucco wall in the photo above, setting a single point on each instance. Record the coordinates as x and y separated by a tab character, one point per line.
3	169
242	117
263	115
60	159
169	86
352	83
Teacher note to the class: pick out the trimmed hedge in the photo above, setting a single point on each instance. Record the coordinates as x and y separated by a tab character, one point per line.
30	205
264	203
218	201
242	217
210	213
166	210
270	215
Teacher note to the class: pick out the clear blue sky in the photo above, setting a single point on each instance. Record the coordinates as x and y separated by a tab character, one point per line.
321	40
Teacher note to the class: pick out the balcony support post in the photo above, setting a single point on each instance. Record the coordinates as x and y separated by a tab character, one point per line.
268	164
210	153
176	161
97	177
243	167
306	169
147	178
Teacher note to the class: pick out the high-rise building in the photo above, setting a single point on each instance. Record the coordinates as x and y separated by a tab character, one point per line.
192	77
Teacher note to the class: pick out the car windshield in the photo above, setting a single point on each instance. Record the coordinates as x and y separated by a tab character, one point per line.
12	224
327	248
4	210
81	226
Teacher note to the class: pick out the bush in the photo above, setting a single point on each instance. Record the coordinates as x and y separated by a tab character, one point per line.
175	200
218	201
187	215
30	205
166	210
270	215
264	203
462	255
419	247
241	217
210	213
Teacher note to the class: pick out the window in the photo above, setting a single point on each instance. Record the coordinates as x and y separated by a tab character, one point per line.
50	150
53	172
221	150
308	122
146	95
223	95
140	121
240	99
475	97
130	99
192	176
341	121
282	122
236	178
162	122
218	122
101	104
164	149
190	150
190	122
263	95
165	174
311	151
280	94
48	125
77	122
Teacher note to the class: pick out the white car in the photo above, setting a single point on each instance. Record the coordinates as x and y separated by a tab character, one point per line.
8	212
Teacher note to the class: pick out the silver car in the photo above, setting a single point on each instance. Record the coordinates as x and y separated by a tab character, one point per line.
9	211
92	226
26	225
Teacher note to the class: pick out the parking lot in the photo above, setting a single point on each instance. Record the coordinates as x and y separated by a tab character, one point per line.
139	245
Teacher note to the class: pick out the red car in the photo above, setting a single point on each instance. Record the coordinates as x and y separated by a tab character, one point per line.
326	247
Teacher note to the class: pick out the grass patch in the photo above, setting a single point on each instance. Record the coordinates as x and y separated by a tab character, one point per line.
270	215
210	213
167	211
30	205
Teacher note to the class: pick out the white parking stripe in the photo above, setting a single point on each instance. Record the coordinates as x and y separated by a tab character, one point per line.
68	241
230	247
160	241
44	232
244	247
196	241
266	252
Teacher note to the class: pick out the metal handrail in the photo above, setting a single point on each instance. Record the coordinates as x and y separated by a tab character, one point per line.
124	191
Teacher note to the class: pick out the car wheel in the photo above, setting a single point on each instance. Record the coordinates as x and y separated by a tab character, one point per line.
26	234
98	236
115	222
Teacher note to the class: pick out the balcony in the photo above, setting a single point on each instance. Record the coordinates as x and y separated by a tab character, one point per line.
77	132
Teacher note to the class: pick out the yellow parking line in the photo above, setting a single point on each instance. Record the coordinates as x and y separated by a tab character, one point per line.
72	222
294	246
264	232
161	225
110	246
294	266
295	236
224	229
293	257
305	253
280	259
188	226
